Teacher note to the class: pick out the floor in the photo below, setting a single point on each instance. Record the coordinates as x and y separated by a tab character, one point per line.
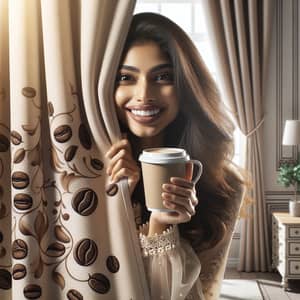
269	285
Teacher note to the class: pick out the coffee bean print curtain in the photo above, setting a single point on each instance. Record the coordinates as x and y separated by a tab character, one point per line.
65	231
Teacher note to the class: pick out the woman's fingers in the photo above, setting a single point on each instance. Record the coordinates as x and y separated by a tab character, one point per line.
123	154
123	164
115	148
177	190
182	182
179	202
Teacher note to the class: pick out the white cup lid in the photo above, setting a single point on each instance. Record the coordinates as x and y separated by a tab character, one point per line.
163	155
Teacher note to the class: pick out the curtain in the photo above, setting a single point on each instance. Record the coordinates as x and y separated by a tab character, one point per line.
65	231
240	34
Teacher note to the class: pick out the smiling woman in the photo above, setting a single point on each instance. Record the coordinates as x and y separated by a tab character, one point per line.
166	97
145	94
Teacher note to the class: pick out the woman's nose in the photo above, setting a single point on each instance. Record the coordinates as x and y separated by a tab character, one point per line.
144	91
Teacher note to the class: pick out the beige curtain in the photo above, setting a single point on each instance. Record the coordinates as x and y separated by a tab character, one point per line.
240	33
65	233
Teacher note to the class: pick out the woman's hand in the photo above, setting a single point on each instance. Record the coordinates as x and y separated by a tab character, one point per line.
179	196
122	164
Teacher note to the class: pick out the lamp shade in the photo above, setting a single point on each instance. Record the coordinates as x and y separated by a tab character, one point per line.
291	133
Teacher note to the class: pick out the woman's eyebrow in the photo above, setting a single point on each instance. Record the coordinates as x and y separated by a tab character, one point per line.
154	69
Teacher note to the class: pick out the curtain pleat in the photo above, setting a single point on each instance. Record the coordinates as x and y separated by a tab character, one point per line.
65	231
240	34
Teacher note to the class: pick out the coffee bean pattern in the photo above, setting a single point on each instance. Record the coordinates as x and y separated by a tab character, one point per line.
29	92
19	271
84	137
55	249
1	236
5	279
62	133
23	201
19	249
54	224
85	202
20	180
111	189
112	264
70	152
97	164
16	138
19	156
4	143
74	295
85	252
32	291
99	283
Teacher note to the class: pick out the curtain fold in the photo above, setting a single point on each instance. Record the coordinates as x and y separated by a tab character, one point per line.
240	34
65	231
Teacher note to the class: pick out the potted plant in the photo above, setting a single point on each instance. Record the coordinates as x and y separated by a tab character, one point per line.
289	174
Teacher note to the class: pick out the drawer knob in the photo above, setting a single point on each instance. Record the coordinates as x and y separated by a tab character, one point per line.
297	232
297	267
297	248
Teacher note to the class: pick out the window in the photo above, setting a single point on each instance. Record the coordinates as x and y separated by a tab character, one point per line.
189	16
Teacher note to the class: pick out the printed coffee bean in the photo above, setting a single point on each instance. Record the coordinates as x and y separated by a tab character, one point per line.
32	291
85	252
55	250
62	133
112	264
5	279
1	236
60	234
111	189
99	283
20	180
19	271
23	201
4	143
16	138
29	92
84	137
74	295
19	249
70	152
97	164
85	202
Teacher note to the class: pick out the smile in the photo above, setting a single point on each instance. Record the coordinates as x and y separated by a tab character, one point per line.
145	116
145	112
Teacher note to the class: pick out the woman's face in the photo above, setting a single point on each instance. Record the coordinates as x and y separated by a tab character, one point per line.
145	93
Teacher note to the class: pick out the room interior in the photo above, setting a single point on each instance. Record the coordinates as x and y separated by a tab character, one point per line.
262	262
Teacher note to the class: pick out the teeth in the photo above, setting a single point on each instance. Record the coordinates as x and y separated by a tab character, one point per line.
145	112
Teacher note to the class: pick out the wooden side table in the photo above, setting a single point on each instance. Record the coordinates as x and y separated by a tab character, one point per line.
286	246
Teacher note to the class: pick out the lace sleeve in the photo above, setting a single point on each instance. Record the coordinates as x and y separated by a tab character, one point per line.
171	265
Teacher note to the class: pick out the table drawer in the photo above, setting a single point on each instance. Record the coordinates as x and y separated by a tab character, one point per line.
294	267
294	232
294	248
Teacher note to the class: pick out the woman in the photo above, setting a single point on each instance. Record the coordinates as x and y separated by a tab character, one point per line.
165	96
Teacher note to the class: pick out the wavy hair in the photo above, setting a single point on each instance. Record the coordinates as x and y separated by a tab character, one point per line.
202	127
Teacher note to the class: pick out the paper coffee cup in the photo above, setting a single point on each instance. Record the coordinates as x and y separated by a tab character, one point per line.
158	166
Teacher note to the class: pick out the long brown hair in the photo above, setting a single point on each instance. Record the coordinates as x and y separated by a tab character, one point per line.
202	127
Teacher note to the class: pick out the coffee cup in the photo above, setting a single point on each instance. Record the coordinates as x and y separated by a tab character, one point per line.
158	166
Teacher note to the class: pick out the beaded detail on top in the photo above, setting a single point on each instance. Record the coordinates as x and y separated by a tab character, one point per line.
159	243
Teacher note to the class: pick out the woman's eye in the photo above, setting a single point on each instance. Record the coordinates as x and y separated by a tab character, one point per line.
165	77
123	77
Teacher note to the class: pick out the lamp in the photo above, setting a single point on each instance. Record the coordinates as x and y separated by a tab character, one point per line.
291	136
291	133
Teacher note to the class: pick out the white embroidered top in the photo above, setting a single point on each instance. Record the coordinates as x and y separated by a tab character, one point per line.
172	266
